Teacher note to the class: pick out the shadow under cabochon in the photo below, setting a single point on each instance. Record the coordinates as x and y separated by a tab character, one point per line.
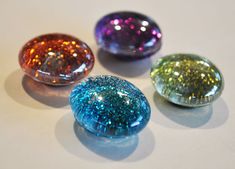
109	106
187	80
128	34
56	59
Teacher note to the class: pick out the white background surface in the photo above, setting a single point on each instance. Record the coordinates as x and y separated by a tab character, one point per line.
36	123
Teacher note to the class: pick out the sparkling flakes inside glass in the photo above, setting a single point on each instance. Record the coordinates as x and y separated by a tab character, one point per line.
187	79
110	107
128	34
56	59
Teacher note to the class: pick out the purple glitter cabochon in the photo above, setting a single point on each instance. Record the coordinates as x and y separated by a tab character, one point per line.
128	34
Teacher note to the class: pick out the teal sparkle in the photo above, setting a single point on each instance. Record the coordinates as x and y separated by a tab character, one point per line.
109	106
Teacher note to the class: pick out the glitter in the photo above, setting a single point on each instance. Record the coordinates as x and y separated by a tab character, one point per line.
187	79
130	32
56	59
109	106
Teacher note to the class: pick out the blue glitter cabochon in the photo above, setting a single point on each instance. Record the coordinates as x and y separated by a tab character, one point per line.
110	107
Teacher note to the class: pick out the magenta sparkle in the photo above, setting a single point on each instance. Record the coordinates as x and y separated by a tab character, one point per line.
128	34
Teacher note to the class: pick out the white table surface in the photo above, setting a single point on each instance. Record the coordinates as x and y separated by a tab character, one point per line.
37	125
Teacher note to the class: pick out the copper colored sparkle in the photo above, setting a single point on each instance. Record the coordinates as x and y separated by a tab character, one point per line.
56	59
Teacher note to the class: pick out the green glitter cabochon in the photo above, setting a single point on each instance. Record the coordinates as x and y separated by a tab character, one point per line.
187	79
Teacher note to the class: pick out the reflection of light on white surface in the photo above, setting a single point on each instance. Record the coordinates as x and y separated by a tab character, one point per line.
137	122
159	35
88	56
121	94
203	63
145	23
154	32
117	27
150	43
64	76
212	92
100	98
143	29
81	68
176	73
217	75
51	53
115	21
124	95
44	73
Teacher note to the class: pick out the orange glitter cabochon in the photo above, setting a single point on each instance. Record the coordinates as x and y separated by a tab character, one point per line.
56	59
